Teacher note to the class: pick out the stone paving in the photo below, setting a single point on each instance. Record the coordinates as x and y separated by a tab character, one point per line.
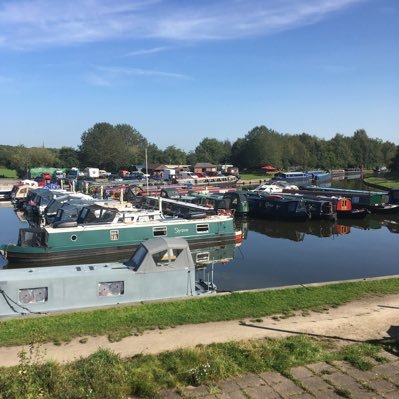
319	380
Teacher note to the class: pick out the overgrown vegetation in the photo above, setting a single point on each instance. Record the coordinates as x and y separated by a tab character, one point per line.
106	375
119	322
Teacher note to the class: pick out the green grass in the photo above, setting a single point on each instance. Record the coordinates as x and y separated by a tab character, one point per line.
106	375
118	322
254	176
8	173
388	181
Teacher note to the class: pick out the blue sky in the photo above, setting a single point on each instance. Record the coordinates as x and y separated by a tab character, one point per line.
179	71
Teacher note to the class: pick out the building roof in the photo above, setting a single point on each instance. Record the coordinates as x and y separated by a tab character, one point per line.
204	165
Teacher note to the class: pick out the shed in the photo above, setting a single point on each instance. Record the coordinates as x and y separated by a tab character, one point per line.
205	168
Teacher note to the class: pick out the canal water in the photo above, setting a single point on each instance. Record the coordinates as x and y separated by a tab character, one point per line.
281	253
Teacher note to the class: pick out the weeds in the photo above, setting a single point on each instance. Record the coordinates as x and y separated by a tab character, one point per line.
105	375
343	392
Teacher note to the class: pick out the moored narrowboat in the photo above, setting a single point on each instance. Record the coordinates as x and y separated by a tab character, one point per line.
100	231
299	178
374	201
160	268
277	208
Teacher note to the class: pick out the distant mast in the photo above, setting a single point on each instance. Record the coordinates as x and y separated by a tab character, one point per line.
146	168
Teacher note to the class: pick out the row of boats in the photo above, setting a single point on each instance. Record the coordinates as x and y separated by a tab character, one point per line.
73	226
68	229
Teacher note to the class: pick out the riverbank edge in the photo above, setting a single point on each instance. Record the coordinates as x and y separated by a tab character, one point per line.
379	186
131	319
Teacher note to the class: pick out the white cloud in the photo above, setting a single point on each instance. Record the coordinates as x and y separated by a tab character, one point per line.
107	76
44	23
146	51
121	71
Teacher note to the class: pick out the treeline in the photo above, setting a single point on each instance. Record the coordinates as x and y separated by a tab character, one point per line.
114	147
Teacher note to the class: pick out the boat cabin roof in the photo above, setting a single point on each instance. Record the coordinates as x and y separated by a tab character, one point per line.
153	255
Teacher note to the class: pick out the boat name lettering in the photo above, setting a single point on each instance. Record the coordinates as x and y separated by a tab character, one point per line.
177	230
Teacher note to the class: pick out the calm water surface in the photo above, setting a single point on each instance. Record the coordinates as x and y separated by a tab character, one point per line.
280	253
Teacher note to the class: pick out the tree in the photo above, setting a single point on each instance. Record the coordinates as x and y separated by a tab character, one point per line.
388	151
41	157
341	148
361	148
112	147
260	146
172	155
24	159
20	160
68	157
213	151
395	162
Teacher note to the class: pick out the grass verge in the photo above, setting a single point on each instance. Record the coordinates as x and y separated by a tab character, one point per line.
254	176
106	375
8	173
388	181
119	322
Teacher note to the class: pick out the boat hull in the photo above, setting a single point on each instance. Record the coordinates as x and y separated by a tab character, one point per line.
101	254
267	208
68	245
353	214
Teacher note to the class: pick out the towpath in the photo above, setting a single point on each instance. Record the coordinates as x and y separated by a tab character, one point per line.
357	321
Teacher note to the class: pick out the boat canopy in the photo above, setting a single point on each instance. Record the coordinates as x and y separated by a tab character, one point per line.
32	237
161	254
96	214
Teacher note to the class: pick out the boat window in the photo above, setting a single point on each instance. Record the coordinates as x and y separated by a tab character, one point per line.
114	235
33	295
202	228
160	231
96	215
111	288
31	238
166	257
202	257
137	258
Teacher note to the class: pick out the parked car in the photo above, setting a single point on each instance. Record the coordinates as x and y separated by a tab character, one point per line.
124	173
59	174
104	174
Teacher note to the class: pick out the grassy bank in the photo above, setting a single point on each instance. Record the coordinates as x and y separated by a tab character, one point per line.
387	181
105	375
254	176
8	173
119	322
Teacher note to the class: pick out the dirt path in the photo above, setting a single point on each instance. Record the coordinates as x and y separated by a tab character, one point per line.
370	318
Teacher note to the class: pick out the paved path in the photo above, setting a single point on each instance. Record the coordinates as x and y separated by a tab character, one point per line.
319	380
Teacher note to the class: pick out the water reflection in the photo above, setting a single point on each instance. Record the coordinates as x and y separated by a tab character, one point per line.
324	229
296	231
